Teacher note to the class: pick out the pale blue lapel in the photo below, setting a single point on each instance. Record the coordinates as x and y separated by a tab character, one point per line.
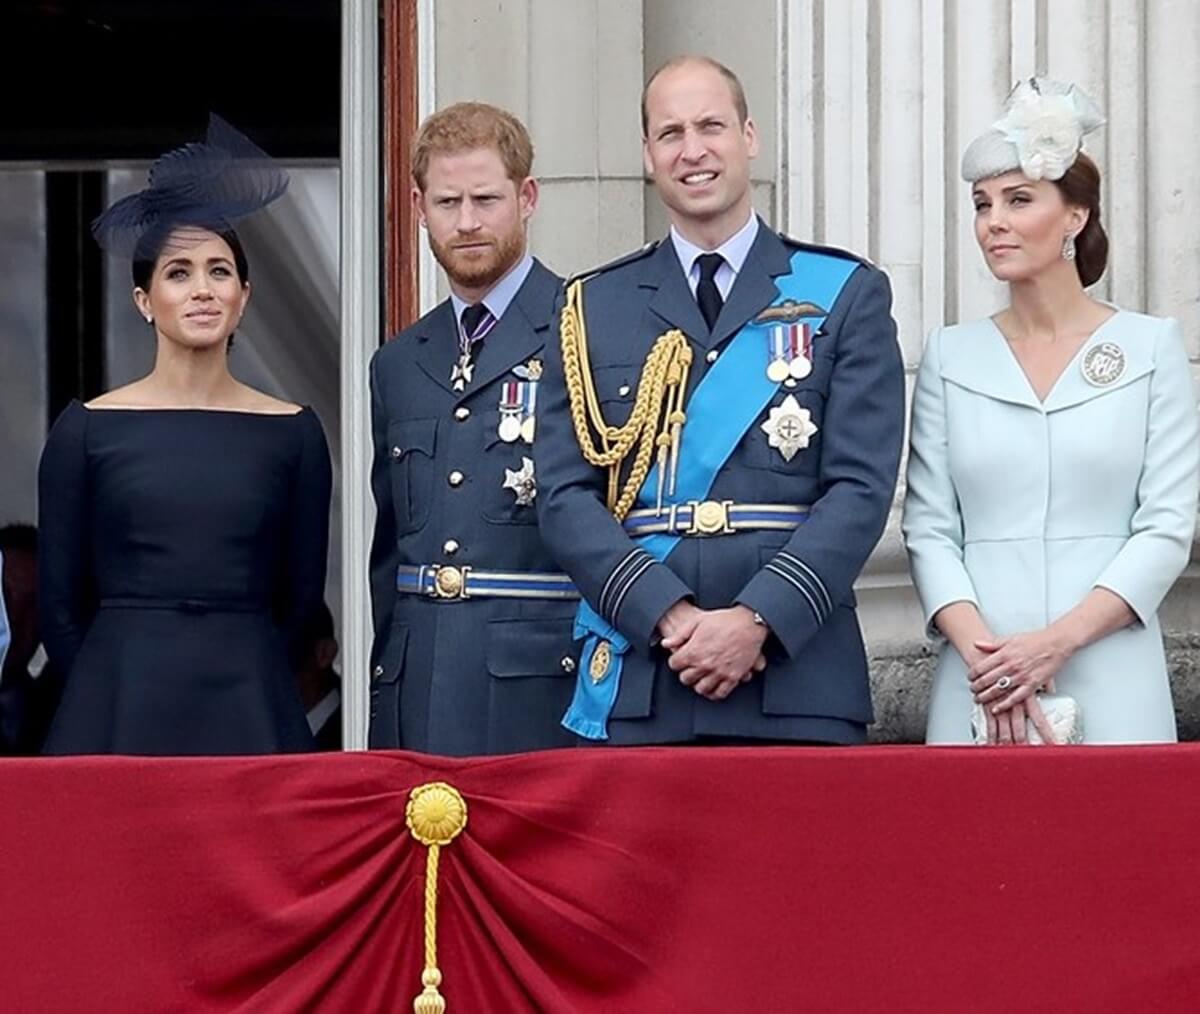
978	358
1121	330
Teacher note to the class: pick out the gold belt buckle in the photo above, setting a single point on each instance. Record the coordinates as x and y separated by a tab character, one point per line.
450	582
710	517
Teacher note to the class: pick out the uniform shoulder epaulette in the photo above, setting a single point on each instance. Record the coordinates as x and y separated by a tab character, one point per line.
621	261
832	251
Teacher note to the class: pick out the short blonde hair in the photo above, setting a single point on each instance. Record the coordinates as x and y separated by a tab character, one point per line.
468	125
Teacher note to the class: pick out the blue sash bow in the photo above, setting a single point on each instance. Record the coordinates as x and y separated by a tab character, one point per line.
722	409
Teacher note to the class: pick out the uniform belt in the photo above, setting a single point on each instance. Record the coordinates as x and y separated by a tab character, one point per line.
184	605
715	517
439	581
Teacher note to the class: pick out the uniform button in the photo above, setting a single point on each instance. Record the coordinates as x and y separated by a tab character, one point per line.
450	547
623	390
567	663
377	671
462	412
396	452
712	355
455	478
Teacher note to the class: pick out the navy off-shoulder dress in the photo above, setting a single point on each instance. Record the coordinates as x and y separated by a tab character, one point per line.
181	551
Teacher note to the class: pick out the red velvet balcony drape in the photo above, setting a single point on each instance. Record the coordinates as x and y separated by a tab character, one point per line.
654	880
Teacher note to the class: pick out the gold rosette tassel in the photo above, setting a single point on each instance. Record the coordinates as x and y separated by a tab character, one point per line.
436	815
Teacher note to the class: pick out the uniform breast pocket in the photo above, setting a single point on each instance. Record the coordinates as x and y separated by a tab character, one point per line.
411	445
616	390
509	494
786	436
520	648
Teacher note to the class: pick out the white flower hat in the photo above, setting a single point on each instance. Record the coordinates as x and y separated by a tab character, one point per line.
1040	133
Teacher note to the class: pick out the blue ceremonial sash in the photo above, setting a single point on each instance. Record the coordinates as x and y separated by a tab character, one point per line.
722	409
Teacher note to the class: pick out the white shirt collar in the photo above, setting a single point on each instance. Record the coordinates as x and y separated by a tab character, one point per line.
734	250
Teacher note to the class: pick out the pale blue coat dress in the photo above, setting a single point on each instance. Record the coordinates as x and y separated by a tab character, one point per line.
1022	507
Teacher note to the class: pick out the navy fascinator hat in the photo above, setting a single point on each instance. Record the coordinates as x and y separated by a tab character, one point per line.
207	184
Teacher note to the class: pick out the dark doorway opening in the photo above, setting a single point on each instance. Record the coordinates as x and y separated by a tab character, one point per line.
127	79
104	82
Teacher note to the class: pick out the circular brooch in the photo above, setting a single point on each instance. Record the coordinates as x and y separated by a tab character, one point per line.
1104	364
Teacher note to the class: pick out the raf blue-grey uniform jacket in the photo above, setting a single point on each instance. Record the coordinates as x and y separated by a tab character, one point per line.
482	675
815	687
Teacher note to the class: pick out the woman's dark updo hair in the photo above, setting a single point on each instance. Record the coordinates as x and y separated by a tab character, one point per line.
1080	186
149	251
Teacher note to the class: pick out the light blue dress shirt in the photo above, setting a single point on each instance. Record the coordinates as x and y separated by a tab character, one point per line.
502	293
734	251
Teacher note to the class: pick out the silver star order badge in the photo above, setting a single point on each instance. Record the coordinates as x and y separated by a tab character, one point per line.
789	427
522	482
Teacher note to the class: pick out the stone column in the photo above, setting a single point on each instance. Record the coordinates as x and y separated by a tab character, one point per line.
572	71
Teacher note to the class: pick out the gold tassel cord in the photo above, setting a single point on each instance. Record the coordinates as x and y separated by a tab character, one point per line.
675	420
655	422
436	815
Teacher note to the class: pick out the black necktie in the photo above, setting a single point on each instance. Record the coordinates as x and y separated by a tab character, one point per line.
476	322
707	293
473	322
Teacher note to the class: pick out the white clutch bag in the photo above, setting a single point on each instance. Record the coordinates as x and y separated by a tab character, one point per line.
1061	711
